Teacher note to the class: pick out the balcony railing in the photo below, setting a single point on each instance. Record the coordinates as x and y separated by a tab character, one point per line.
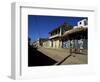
54	36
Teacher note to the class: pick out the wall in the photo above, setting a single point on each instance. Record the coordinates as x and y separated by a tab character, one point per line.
46	44
57	43
82	23
5	40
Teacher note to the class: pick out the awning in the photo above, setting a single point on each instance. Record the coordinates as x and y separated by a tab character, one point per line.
74	30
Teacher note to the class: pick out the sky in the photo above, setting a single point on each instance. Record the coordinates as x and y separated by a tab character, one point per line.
39	26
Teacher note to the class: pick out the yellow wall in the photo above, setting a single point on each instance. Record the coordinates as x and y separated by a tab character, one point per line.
47	44
56	44
50	44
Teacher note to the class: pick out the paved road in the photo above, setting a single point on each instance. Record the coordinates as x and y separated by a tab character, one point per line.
63	56
56	54
76	59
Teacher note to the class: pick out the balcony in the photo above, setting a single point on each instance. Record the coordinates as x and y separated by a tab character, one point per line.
54	36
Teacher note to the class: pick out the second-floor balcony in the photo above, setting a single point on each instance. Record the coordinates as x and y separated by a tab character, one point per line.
54	36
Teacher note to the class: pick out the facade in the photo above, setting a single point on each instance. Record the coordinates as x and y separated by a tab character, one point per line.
47	44
76	38
40	42
55	35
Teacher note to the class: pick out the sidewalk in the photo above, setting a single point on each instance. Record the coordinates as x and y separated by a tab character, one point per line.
63	57
56	54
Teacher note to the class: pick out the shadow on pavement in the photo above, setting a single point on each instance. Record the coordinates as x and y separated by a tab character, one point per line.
36	58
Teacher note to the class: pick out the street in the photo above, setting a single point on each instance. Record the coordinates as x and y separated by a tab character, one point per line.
63	57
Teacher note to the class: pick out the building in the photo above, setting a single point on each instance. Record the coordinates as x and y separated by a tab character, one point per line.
83	23
55	36
40	42
47	44
35	44
76	38
66	36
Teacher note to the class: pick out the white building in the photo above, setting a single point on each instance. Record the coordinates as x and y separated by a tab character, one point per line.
83	23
